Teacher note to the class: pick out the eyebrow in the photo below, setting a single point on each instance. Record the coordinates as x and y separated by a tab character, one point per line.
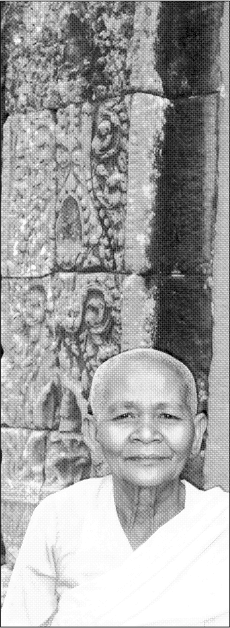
129	405
114	407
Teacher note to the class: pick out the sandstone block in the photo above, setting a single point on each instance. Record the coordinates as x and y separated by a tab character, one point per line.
139	313
184	326
146	140
28	196
23	458
217	455
92	157
65	185
30	389
68	460
186	198
58	54
172	183
175	49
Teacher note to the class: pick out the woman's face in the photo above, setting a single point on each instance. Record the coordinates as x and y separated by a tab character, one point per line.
146	427
34	310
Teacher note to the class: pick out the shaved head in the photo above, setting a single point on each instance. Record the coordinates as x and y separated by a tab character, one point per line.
123	363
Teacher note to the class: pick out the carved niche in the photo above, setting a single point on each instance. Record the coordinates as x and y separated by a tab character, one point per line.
78	229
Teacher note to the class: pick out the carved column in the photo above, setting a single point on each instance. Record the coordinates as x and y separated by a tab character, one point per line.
109	203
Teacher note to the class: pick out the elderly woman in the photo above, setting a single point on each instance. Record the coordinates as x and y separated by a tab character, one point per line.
140	546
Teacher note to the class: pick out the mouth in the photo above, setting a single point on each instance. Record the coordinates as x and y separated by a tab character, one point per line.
148	459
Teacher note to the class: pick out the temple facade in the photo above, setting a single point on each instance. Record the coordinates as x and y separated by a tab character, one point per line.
114	224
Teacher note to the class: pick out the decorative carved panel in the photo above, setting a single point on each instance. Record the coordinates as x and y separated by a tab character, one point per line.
78	229
55	333
87	326
109	177
68	460
23	459
62	52
30	384
28	199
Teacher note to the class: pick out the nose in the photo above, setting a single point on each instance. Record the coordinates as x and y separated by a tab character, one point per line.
147	430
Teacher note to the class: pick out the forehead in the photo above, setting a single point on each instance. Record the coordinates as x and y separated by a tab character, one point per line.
144	380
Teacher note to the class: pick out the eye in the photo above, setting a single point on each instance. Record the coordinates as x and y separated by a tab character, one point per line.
126	415
166	415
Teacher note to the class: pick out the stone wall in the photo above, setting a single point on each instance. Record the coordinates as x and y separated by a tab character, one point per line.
109	200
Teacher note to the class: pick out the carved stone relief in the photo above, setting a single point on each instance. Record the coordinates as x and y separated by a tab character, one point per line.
23	457
87	327
109	177
60	53
78	229
30	383
64	194
68	460
29	194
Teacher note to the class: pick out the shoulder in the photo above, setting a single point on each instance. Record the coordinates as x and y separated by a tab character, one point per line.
214	500
77	495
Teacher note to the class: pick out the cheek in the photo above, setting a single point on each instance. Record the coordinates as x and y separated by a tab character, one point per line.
181	439
111	439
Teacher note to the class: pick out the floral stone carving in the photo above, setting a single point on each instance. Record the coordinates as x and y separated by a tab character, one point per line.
60	52
28	194
109	176
78	228
30	385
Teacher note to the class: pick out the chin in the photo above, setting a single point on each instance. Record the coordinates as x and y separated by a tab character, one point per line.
147	477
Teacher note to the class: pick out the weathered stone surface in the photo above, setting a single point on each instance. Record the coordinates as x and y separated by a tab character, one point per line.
64	194
60	52
141	55
172	184
184	329
68	460
216	470
146	138
186	198
175	48
78	230
139	313
87	323
23	459
30	390
109	163
28	197
184	326
55	333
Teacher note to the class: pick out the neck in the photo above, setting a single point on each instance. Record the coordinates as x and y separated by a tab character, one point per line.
142	510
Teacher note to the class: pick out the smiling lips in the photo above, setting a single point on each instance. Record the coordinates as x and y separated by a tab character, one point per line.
148	458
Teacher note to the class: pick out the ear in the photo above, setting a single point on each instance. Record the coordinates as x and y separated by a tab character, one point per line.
89	429
200	423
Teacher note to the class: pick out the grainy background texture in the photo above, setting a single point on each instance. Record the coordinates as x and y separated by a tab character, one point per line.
114	224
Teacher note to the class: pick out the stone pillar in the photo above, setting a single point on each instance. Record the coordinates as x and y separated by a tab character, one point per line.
217	454
109	205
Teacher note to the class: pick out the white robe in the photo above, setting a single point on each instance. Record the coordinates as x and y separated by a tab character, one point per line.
76	566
